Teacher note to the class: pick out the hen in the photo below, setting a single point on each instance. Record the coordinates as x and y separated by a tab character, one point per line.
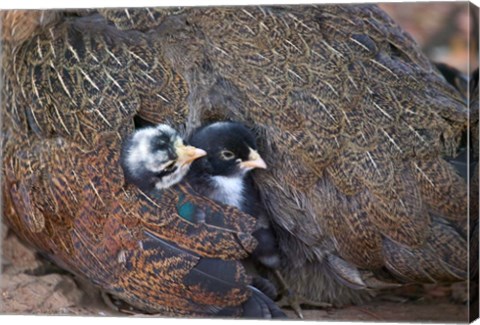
354	121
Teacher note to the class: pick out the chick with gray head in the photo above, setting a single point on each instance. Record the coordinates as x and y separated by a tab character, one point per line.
157	158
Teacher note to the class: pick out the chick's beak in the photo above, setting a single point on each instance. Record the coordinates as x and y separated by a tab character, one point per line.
254	161
187	154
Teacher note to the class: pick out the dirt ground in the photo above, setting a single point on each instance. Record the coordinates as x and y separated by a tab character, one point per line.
31	285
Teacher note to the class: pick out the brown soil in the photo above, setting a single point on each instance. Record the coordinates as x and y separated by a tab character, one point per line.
31	285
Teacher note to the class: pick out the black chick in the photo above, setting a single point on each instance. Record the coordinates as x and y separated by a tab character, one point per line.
223	175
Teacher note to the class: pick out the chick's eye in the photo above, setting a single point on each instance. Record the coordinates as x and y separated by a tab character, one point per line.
158	144
227	155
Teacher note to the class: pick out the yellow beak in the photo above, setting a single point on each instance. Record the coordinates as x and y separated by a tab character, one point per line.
187	154
254	161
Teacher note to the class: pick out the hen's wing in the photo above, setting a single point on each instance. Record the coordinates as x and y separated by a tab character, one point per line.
71	89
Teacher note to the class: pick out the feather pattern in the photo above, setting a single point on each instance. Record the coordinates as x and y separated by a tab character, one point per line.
355	170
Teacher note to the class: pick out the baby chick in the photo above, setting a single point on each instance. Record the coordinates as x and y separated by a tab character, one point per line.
157	158
223	175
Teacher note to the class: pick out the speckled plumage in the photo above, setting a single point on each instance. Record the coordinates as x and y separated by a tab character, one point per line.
63	187
354	121
474	188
